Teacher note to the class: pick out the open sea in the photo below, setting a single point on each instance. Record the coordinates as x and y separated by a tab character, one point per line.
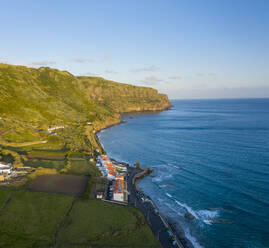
210	159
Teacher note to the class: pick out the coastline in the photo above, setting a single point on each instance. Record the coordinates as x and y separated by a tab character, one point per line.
171	234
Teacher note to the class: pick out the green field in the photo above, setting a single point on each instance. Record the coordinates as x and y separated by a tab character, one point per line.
83	167
46	154
45	163
30	220
97	223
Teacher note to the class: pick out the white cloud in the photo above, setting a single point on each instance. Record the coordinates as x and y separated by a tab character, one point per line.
83	60
111	72
152	80
90	74
146	69
43	63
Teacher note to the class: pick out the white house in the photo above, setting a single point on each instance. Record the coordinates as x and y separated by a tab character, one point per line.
111	175
55	128
99	195
5	168
118	189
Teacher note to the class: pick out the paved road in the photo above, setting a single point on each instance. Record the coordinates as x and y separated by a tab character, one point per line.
155	221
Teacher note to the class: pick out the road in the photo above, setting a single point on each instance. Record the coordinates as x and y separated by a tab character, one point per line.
157	225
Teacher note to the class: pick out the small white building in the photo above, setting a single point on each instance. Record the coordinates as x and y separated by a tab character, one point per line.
5	168
121	168
118	197
55	128
99	195
111	176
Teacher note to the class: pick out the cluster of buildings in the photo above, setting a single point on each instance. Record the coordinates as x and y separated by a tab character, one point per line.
116	174
6	170
52	129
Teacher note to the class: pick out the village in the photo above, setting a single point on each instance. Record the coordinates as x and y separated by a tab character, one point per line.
8	173
116	174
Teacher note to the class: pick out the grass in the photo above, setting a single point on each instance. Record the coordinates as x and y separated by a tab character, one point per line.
42	171
45	154
30	219
58	165
98	223
62	184
4	194
83	167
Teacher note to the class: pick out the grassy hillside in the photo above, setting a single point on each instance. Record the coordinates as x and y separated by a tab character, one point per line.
32	100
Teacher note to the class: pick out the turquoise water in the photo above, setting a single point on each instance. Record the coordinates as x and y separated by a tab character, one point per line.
211	159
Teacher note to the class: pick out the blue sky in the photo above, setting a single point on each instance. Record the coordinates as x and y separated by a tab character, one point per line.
187	49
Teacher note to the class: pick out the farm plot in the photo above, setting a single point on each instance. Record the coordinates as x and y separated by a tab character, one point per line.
83	167
62	184
30	219
52	164
94	223
48	155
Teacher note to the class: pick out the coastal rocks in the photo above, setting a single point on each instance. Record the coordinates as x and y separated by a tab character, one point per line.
189	216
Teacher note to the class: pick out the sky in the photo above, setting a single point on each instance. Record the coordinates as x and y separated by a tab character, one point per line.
184	48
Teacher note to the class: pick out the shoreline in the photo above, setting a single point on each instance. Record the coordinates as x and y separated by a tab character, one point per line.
176	234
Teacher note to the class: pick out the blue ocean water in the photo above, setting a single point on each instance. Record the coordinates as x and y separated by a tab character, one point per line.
211	159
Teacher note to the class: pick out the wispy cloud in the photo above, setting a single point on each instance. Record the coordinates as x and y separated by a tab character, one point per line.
212	74
199	74
43	63
90	74
83	60
152	80
146	69
175	77
111	72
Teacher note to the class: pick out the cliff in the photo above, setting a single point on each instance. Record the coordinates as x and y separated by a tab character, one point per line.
32	99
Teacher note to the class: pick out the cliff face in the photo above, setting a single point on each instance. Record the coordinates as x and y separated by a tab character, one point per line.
123	98
45	97
46	94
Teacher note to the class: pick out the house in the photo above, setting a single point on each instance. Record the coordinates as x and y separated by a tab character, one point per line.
5	168
110	168
105	158
55	128
121	168
118	189
111	175
99	195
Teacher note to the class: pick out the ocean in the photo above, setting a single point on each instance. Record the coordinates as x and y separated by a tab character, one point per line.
210	160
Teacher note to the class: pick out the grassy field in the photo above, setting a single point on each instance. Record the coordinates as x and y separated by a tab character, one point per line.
45	163
46	154
97	223
30	219
83	167
64	184
4	194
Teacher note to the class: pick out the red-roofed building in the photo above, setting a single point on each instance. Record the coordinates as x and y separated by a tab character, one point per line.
118	189
111	175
